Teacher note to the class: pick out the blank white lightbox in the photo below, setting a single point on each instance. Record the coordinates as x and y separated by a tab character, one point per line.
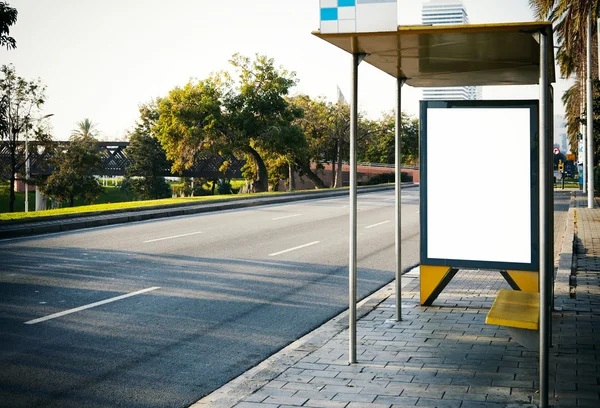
478	184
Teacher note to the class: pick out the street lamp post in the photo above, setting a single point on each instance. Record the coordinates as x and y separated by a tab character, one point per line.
27	170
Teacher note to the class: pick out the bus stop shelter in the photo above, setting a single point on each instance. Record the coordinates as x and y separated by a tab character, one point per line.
461	55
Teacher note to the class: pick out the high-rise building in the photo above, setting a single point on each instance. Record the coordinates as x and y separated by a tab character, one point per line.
440	12
560	134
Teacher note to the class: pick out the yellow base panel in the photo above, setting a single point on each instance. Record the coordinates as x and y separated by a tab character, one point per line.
527	281
430	277
515	309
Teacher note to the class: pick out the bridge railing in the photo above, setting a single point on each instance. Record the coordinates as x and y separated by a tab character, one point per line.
116	161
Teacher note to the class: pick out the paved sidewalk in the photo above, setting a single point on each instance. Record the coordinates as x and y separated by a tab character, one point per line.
445	355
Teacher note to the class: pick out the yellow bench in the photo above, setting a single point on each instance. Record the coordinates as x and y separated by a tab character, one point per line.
520	313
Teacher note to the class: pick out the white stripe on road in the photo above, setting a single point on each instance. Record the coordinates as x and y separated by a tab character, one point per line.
287	216
80	308
295	248
377	225
174	236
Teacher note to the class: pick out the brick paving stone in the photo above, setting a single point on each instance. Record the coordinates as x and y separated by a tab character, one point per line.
480	404
513	398
264	393
427	402
293	386
403	401
311	366
343	389
276	384
369	383
463	396
325	404
255	405
355	397
318	395
329	381
280	399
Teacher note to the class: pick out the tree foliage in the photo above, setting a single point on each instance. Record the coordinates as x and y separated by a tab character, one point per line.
326	127
243	112
379	143
85	128
570	22
20	118
8	17
149	158
74	168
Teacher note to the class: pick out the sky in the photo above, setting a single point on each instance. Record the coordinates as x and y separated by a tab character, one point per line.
102	59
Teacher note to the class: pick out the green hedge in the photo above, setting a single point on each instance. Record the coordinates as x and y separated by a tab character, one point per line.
384	178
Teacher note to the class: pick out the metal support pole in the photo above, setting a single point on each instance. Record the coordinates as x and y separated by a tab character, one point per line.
398	228
545	183
550	207
26	173
590	117
584	159
356	60
583	132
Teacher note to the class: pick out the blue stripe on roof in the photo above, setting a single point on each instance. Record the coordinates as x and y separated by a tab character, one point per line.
346	3
329	14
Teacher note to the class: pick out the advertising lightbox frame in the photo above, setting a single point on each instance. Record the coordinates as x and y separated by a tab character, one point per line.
462	183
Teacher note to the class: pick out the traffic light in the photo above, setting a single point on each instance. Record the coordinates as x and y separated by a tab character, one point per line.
561	166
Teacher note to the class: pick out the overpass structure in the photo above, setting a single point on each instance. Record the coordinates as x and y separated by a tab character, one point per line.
115	161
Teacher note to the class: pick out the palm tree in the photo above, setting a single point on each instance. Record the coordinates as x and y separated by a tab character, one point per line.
570	26
85	128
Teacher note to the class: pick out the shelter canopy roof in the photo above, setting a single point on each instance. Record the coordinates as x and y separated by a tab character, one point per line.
454	55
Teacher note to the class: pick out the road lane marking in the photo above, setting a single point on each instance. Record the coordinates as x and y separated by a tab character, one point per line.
286	216
377	225
295	248
80	308
174	236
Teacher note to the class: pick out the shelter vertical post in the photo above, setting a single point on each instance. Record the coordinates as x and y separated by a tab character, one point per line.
545	151
398	241
356	60
550	214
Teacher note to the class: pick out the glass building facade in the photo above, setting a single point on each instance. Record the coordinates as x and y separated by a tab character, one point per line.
440	12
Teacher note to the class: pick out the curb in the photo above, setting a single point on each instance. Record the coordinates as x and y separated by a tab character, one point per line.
252	380
565	263
90	220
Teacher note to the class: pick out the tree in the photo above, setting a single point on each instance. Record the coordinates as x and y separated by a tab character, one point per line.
8	17
85	128
20	104
259	116
379	143
238	116
570	21
326	127
74	168
149	158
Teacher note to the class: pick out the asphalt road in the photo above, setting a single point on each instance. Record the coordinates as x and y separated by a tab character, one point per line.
209	296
